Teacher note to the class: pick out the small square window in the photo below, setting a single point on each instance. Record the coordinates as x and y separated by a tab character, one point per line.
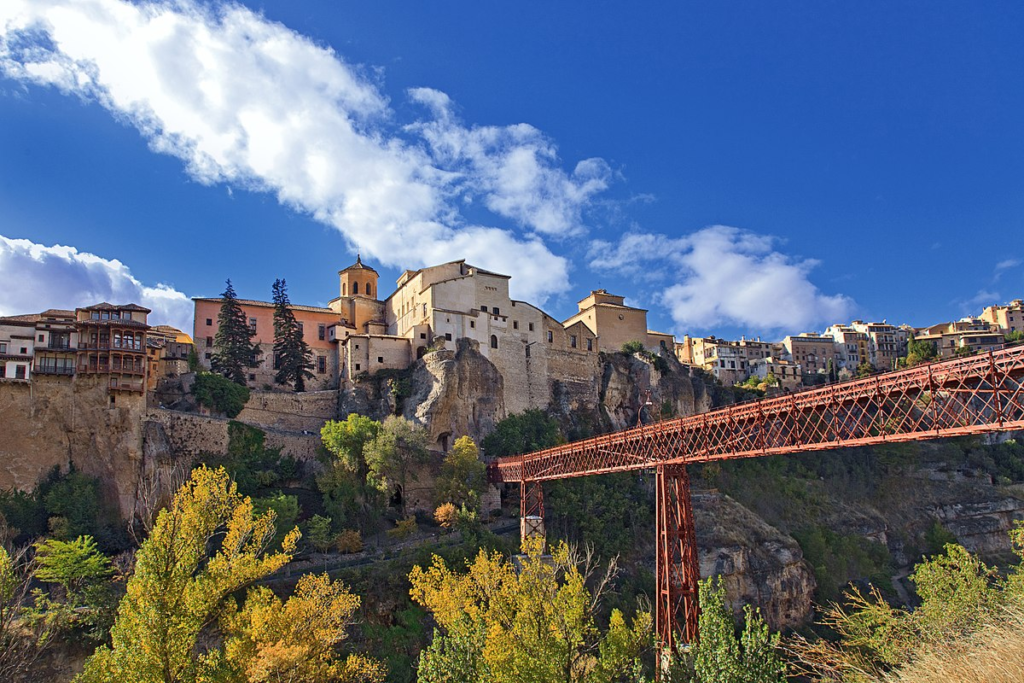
483	308
40	337
209	322
448	336
357	366
380	359
423	335
24	350
252	377
357	347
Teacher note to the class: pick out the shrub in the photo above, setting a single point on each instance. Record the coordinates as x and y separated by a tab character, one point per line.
349	541
445	515
403	528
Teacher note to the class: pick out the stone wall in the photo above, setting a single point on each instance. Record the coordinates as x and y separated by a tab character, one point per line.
290	411
188	435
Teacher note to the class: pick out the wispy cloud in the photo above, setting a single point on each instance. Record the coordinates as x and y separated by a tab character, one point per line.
63	277
1007	264
725	276
250	103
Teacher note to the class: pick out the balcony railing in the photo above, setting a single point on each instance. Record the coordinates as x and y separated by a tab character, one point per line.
117	384
53	370
110	346
59	345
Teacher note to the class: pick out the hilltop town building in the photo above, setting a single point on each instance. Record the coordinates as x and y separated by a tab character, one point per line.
1008	318
969	335
730	362
813	352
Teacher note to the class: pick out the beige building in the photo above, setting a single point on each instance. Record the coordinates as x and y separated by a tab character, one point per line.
1008	318
851	347
883	343
812	352
615	324
969	335
787	372
731	362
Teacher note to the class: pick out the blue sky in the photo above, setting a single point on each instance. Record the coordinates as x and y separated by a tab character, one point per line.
736	167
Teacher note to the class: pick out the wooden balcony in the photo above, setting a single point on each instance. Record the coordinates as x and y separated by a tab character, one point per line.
53	370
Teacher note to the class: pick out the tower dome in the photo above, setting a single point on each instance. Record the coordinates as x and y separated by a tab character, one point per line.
358	280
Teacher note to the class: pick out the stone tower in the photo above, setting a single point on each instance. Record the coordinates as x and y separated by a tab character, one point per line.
358	280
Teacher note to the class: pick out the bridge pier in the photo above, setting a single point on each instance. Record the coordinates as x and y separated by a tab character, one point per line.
677	569
531	513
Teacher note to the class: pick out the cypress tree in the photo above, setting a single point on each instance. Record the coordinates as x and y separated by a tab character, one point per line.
233	348
293	358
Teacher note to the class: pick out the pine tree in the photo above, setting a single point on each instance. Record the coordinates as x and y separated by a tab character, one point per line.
292	356
233	347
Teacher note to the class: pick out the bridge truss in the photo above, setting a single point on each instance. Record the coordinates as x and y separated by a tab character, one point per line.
972	395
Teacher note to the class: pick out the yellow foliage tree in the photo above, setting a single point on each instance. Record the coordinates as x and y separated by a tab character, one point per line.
204	548
296	640
501	626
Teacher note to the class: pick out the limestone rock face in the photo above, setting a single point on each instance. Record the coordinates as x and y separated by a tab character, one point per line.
759	564
456	393
59	421
983	527
626	379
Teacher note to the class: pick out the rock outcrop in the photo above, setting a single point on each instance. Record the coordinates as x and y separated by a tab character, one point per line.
758	564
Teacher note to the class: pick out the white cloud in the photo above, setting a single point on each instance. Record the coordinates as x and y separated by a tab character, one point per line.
250	103
40	277
725	276
515	168
1007	264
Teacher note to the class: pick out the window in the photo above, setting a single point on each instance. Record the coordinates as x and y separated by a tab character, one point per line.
209	321
209	341
301	332
448	336
355	287
24	350
96	316
527	350
380	359
472	323
321	364
254	360
483	308
19	371
3	348
207	355
423	335
357	366
572	340
590	345
3	370
357	347
495	311
252	377
531	327
252	325
515	324
551	336
494	341
424	309
321	331
40	337
277	361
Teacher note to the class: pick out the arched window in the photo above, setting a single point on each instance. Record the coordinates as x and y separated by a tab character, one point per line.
355	287
344	289
369	289
494	341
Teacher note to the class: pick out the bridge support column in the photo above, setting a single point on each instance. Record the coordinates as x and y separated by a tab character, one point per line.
531	512
677	569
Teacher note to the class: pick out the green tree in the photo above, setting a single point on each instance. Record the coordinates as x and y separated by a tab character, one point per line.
233	349
500	625
918	352
347	439
865	369
220	394
463	475
319	533
293	358
1014	337
391	456
21	640
83	597
203	549
523	432
719	657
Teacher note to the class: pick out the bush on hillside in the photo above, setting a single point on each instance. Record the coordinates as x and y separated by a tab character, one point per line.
220	394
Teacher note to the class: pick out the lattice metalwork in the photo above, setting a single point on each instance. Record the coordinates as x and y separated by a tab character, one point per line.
963	396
